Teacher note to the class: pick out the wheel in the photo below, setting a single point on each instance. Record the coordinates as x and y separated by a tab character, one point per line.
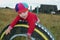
20	30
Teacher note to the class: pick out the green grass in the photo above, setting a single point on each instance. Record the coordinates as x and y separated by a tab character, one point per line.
52	22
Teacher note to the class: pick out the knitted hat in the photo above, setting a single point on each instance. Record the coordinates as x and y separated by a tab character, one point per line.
21	7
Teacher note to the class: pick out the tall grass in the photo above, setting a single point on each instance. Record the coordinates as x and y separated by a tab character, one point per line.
6	16
52	22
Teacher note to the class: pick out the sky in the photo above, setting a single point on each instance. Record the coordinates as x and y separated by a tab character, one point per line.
33	3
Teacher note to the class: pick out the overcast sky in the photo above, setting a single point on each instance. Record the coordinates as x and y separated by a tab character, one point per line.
33	3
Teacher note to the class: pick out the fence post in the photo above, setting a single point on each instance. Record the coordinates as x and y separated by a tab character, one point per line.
37	9
30	8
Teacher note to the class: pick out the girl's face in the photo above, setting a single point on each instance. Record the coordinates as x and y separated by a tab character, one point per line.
24	14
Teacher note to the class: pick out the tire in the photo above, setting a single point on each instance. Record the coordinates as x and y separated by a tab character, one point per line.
40	32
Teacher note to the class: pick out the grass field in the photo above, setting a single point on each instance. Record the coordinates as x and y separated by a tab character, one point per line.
52	22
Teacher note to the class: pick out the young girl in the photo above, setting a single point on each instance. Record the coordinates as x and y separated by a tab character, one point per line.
24	14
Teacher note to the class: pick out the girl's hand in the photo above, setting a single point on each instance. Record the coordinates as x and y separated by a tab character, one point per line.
7	31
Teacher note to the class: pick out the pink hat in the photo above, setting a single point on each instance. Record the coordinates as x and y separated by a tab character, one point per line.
21	7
